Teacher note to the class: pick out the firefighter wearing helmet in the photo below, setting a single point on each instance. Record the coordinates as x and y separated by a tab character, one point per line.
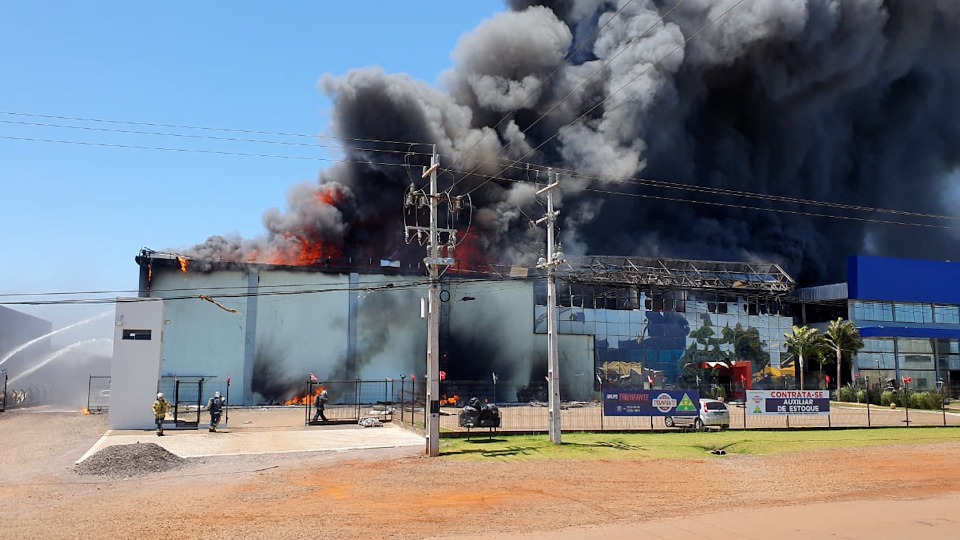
160	408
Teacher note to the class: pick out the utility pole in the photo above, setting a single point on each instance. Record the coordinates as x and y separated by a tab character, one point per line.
433	262
554	258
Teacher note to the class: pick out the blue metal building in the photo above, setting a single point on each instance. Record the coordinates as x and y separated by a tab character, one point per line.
908	313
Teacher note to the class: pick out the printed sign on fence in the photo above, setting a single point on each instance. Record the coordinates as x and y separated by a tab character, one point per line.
781	402
639	402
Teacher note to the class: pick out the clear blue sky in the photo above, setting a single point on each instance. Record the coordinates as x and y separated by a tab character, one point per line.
74	216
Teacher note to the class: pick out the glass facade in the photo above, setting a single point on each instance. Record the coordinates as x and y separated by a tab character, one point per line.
906	312
946	314
643	336
872	311
924	360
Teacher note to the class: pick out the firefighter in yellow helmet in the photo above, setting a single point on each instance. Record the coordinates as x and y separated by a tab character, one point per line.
160	408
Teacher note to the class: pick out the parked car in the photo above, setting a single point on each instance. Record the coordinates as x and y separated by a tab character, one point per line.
712	413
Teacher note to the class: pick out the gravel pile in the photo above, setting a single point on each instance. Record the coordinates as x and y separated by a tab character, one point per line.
128	460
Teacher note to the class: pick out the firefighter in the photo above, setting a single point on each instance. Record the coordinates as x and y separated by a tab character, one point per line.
320	403
215	406
160	408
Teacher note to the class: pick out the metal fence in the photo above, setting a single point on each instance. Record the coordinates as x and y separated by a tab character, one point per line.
532	416
98	393
351	399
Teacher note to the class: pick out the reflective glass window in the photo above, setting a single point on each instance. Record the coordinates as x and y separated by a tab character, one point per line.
922	380
876	360
877	345
914	346
872	311
946	314
916	361
913	313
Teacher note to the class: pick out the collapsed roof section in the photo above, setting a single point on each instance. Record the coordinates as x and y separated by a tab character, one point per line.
734	277
767	279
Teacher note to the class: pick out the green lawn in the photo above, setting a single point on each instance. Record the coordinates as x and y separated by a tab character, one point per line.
610	446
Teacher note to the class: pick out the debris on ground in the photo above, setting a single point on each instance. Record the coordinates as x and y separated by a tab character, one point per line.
129	460
370	421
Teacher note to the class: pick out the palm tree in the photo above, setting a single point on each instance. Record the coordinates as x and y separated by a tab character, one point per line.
842	336
803	341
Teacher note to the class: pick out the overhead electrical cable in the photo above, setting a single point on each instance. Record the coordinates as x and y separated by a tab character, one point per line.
776	210
734	193
205	128
200	151
213	138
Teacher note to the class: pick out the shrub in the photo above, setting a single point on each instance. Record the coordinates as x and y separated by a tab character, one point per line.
847	393
933	400
918	400
887	398
862	396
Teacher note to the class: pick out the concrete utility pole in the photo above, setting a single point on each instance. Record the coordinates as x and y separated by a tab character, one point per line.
434	262
550	263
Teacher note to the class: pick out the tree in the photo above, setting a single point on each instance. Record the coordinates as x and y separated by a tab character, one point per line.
842	336
802	342
747	345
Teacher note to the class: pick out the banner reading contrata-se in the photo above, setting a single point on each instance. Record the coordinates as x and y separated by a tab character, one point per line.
776	402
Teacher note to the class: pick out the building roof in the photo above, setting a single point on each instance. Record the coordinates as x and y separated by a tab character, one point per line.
734	277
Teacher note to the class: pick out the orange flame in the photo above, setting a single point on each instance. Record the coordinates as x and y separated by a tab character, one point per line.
308	246
468	255
451	401
304	399
183	263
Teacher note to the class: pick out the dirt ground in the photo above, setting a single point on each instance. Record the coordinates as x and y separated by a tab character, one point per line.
398	494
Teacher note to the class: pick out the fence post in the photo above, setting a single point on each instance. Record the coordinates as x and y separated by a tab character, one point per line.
403	380
176	398
906	402
943	406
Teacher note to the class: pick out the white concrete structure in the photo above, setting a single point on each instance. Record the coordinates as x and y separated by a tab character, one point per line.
137	356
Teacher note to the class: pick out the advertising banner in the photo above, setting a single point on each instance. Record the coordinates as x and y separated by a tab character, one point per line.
780	402
639	402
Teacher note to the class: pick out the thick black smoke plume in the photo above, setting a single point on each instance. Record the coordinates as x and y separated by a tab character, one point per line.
848	101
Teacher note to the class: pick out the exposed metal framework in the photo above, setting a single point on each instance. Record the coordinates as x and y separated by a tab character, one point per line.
737	277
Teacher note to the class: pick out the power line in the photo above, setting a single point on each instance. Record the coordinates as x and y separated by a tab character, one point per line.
214	138
776	210
205	128
246	294
736	193
200	151
515	165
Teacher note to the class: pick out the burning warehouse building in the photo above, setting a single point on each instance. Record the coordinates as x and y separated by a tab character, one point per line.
622	321
685	132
